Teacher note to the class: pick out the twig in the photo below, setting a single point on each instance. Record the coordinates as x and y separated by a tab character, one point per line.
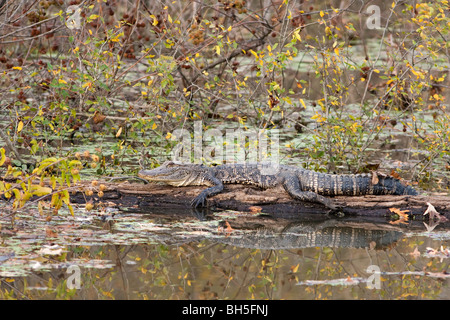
10	145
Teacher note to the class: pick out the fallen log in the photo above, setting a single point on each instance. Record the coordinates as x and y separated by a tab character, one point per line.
249	199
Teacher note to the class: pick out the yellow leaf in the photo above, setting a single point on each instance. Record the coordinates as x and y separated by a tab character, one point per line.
3	156
40	191
119	132
87	84
255	54
70	209
217	50
154	126
155	21
303	103
19	126
17	68
169	18
322	14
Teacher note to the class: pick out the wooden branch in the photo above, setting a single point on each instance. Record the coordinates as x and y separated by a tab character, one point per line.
248	199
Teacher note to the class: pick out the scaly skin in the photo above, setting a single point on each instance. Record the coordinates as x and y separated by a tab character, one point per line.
300	184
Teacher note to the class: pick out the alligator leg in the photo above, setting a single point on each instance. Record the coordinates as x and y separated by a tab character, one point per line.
216	187
293	188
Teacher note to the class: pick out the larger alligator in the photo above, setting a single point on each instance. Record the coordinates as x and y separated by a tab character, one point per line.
299	183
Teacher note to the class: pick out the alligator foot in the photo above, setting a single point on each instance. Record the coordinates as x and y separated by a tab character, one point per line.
337	211
199	201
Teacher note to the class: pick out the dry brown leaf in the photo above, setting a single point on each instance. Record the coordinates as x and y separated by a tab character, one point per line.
229	228
98	117
433	213
49	233
374	178
395	174
401	213
402	216
415	253
255	209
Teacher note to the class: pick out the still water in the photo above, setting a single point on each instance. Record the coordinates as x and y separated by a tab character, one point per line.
120	255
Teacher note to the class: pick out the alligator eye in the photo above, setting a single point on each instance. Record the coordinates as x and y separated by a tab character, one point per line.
168	164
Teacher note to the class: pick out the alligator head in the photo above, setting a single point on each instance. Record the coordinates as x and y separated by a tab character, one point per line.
175	174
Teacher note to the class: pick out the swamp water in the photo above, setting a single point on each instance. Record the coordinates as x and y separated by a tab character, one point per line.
125	255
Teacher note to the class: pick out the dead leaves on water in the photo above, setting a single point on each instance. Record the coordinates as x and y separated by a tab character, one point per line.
402	216
441	253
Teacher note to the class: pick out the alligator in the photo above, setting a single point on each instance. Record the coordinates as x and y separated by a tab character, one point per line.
299	183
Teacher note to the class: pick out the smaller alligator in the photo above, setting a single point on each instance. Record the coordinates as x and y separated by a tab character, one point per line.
300	184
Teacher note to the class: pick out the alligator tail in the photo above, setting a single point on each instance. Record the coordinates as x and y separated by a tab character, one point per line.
352	184
390	185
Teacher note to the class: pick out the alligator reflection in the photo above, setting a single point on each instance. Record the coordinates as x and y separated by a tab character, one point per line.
306	235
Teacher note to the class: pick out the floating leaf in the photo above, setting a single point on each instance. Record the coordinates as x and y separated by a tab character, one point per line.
403	216
255	209
50	250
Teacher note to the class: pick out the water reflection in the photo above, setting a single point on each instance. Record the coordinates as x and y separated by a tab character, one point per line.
252	258
323	234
